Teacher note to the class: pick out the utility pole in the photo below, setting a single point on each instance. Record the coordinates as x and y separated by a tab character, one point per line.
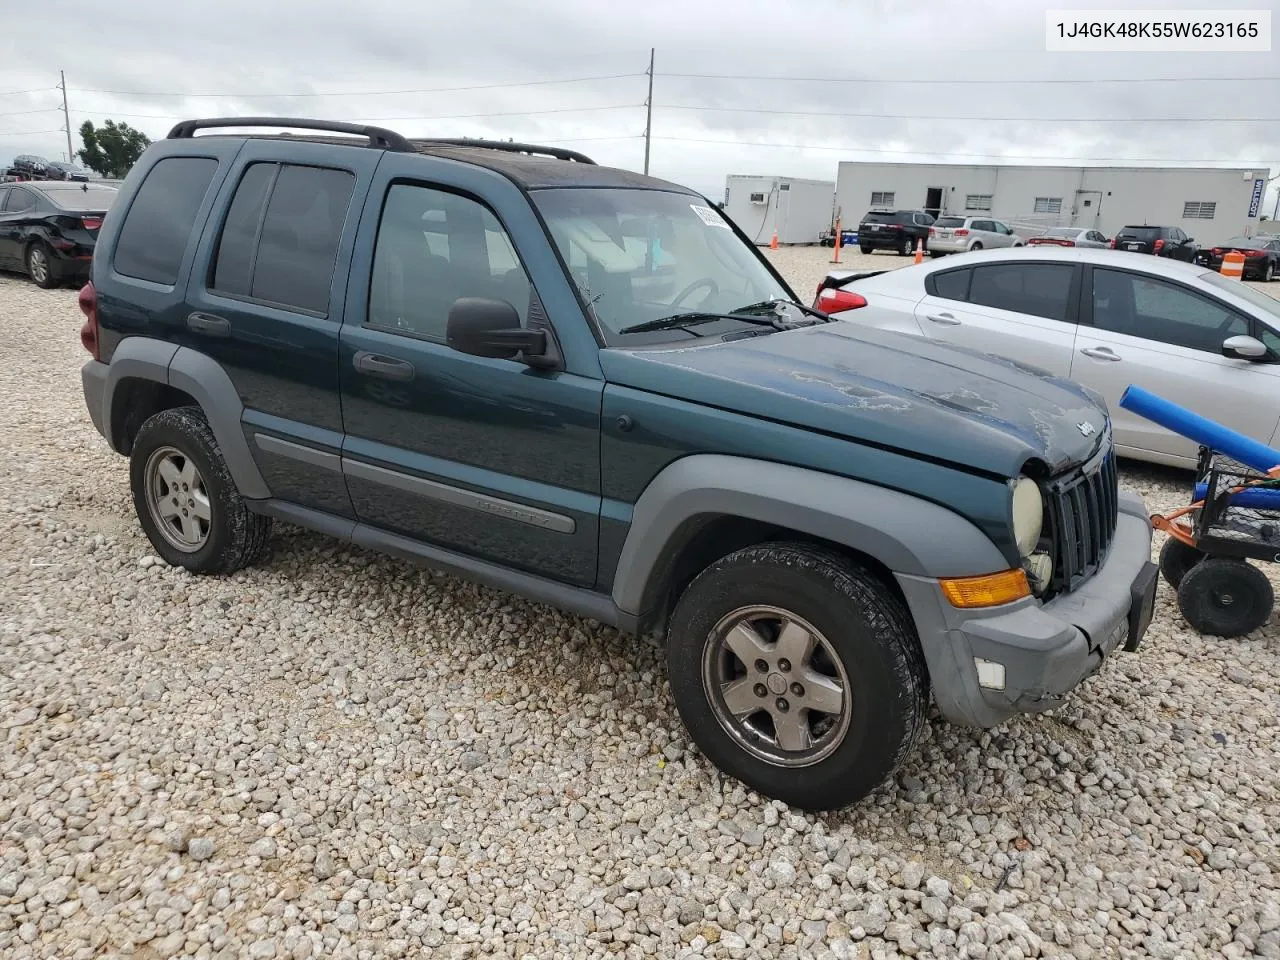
648	113
66	116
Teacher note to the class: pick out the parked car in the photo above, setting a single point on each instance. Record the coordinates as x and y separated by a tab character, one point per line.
1169	242
1103	319
436	349
1070	237
61	170
958	234
1261	256
898	230
48	229
30	166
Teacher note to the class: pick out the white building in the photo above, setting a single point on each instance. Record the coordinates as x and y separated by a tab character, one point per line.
1209	203
799	210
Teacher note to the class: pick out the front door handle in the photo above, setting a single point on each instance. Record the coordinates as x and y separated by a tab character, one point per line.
387	368
207	323
946	319
1099	353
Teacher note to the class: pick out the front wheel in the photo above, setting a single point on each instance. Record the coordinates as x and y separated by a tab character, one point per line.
1225	598
1269	272
39	266
797	672
186	499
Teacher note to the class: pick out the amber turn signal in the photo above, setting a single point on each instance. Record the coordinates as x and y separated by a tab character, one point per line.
988	590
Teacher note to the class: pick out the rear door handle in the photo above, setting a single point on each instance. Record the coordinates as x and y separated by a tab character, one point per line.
1099	353
387	368
946	319
207	323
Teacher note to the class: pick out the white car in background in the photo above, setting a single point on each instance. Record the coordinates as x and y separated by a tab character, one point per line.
959	234
1103	318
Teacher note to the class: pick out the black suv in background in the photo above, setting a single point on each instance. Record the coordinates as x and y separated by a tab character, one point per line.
898	230
1168	242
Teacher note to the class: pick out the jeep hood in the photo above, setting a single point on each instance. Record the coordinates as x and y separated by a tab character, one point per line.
891	390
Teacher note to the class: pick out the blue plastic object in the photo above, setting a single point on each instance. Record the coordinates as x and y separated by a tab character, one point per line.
1195	427
1263	498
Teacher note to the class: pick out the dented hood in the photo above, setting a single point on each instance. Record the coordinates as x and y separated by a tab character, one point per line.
872	386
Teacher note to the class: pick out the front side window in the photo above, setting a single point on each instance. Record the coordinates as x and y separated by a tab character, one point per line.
433	248
1038	289
643	255
156	230
1138	305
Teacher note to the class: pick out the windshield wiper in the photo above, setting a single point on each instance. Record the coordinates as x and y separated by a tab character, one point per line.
769	304
684	320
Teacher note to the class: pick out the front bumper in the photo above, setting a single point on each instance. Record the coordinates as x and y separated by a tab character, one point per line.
1044	649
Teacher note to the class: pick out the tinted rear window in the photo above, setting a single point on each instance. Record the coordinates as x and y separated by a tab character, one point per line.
157	228
73	197
300	234
951	284
949	222
874	217
1061	232
1038	289
1140	233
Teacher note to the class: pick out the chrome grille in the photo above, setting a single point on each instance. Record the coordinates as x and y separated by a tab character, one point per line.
1081	507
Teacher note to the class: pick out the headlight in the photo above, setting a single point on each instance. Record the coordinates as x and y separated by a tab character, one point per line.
1028	515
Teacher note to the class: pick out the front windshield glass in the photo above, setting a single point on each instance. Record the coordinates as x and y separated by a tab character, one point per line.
643	255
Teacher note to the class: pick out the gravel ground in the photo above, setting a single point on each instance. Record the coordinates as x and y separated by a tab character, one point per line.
340	755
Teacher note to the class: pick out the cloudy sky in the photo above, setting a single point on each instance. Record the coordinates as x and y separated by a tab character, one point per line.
741	87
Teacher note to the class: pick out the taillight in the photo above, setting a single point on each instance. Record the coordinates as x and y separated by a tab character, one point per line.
933	232
91	223
1111	244
962	232
88	301
1068	243
834	300
1217	251
1159	246
1254	253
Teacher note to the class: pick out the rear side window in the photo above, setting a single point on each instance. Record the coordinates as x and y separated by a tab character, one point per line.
1038	289
157	228
951	284
284	254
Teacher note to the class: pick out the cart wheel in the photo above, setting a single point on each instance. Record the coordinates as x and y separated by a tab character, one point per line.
1225	598
1176	558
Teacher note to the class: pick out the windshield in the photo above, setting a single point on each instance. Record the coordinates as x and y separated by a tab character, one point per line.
644	255
75	196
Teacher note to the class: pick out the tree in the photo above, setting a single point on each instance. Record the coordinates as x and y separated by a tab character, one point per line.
112	149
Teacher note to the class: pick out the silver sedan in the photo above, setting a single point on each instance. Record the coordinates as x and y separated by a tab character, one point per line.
1069	237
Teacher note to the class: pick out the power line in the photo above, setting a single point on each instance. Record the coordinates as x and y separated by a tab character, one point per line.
228	95
454	116
18	93
848	148
966	80
917	116
20	113
27	133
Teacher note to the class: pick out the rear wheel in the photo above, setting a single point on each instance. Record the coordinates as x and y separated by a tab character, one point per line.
1176	558
977	245
905	247
1225	597
39	266
798	673
864	249
1269	272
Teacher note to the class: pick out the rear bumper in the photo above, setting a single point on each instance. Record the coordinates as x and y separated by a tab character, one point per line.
886	239
936	245
1043	650
93	380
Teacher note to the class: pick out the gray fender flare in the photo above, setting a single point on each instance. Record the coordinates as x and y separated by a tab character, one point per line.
200	376
906	534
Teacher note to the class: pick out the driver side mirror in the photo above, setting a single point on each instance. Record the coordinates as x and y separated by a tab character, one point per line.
491	328
1244	348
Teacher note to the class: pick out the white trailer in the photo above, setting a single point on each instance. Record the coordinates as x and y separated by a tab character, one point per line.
799	210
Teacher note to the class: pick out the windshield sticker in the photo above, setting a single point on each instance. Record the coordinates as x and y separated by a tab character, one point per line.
708	216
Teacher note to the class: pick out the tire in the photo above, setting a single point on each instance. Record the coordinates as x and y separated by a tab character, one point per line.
866	650
1225	597
864	249
977	245
175	453
905	248
40	267
1176	558
934	255
1269	272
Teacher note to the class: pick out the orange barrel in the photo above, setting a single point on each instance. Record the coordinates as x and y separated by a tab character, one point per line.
1233	265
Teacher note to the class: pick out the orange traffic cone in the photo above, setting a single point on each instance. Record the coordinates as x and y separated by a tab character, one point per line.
773	244
837	244
919	251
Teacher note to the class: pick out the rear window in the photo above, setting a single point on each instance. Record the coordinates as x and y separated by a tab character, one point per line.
76	197
1244	242
1061	232
949	222
1140	233
157	228
881	217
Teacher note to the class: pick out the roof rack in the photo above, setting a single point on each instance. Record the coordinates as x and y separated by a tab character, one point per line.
509	146
378	137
